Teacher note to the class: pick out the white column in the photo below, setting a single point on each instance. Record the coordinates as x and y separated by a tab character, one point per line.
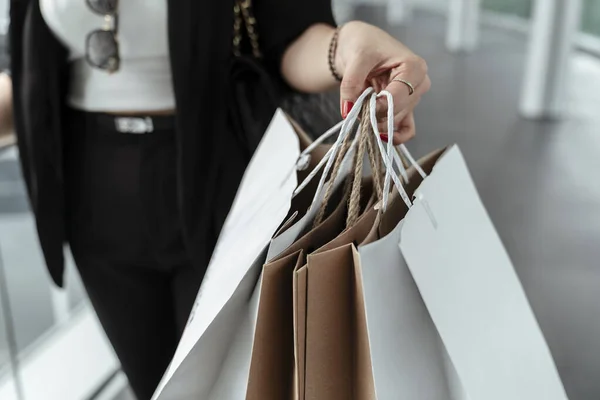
463	25
553	28
3	16
399	12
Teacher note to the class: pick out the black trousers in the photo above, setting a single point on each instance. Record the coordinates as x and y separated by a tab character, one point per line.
125	235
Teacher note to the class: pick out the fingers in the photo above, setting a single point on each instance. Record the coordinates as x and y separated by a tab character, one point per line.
382	125
413	70
354	82
403	131
407	131
399	117
403	100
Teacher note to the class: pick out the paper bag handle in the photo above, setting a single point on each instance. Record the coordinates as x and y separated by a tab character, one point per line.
344	127
390	157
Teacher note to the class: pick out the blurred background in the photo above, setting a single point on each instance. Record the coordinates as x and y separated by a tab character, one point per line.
516	83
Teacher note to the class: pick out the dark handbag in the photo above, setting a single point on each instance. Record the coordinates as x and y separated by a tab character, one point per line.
255	95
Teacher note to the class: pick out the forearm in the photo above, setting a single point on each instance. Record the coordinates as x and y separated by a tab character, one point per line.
6	107
305	64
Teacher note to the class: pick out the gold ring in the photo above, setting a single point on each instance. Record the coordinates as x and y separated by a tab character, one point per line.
411	88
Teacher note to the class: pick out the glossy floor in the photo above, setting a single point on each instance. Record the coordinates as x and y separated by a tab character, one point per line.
539	180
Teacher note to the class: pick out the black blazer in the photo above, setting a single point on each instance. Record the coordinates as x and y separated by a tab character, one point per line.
200	37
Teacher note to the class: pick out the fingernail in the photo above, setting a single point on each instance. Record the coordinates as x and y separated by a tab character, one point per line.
346	107
384	137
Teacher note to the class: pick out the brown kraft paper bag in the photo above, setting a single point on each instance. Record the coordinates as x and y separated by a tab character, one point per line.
274	352
272	366
332	345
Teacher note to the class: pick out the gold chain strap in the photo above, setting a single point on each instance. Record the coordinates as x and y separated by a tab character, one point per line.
243	14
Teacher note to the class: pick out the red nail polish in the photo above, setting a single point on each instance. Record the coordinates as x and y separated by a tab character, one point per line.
384	137
346	107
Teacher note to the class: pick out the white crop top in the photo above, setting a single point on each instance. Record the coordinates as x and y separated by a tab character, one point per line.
143	81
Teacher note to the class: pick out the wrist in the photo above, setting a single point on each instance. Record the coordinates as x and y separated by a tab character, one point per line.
338	60
332	55
345	34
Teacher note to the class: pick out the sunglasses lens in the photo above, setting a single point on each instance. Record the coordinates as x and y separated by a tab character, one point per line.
103	6
103	50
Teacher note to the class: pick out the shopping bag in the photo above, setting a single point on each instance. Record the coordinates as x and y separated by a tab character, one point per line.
309	160
276	290
299	223
299	284
233	374
472	292
408	360
495	349
272	369
331	336
406	353
233	378
262	202
334	225
386	281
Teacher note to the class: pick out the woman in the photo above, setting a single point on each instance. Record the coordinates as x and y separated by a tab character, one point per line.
126	148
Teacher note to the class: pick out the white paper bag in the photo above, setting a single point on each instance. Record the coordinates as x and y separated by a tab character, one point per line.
233	377
262	202
293	231
406	353
407	357
472	292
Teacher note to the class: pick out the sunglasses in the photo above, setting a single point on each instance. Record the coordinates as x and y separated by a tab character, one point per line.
102	46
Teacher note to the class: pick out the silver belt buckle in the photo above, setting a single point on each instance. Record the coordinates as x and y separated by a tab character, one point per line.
134	125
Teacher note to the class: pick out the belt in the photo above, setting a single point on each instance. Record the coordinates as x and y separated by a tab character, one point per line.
132	124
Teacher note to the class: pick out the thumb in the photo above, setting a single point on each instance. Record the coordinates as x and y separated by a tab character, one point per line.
353	84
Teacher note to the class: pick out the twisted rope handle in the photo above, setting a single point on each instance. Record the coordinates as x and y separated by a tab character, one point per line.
376	166
387	156
345	147
354	202
370	143
365	146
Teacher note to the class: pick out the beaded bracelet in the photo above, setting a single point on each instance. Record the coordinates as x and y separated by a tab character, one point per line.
332	50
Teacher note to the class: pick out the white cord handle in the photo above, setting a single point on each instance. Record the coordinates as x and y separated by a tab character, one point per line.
390	157
328	160
304	158
412	161
373	115
387	156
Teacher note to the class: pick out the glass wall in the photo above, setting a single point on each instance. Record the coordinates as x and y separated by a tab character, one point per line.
3	16
521	8
590	22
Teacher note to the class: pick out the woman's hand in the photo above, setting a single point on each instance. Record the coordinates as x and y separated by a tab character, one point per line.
368	56
6	117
